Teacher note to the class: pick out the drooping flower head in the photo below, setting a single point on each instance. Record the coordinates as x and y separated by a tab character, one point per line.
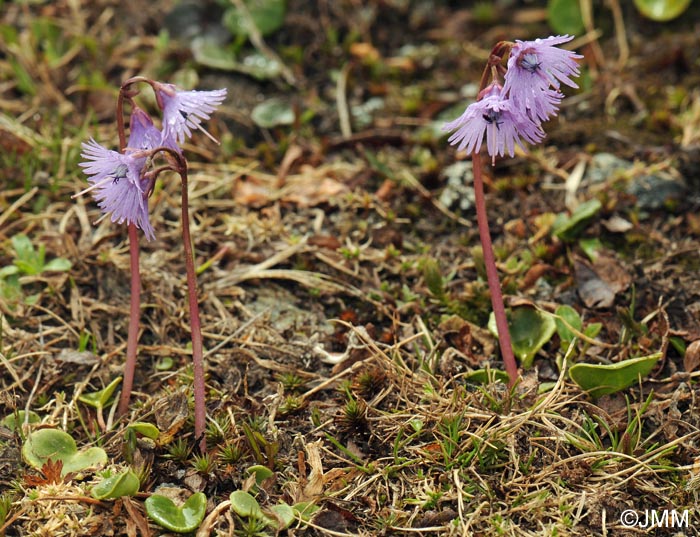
495	116
184	111
117	185
536	69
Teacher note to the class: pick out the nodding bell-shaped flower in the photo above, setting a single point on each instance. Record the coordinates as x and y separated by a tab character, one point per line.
495	116
536	69
117	184
184	111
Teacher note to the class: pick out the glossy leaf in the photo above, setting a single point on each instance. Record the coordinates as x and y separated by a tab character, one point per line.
567	321
146	429
530	330
165	513
14	421
100	398
261	473
116	486
56	445
661	10
604	379
284	515
486	376
245	505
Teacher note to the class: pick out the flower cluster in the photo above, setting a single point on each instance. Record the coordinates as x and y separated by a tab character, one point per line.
119	182
511	112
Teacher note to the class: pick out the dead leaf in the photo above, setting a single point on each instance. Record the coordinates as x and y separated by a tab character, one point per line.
314	485
598	283
293	153
50	475
617	224
691	360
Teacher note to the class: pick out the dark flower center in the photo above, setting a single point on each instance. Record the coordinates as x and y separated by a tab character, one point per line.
492	117
529	61
120	172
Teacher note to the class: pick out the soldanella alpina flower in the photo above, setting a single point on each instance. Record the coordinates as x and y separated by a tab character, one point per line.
536	69
144	135
184	111
510	107
117	185
494	115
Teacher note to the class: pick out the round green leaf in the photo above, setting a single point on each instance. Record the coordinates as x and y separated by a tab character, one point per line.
261	473
284	515
530	329
56	445
183	519
564	16
116	486
245	505
15	420
272	113
661	10
604	379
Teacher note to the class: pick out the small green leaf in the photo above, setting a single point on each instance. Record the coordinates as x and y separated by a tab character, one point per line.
284	515
14	421
24	249
272	113
183	519
58	265
530	329
100	399
261	473
146	429
604	379
123	484
593	329
305	510
591	247
566	319
568	227
564	16
56	445
486	376
266	15
661	10
245	505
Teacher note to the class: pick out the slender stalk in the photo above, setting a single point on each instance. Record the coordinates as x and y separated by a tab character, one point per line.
492	273
134	316
132	340
195	324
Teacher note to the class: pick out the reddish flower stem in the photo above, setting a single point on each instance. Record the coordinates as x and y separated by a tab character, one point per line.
132	340
200	412
134	316
492	273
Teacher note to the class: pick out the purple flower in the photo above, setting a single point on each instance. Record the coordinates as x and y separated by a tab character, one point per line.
116	184
184	111
494	115
535	71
